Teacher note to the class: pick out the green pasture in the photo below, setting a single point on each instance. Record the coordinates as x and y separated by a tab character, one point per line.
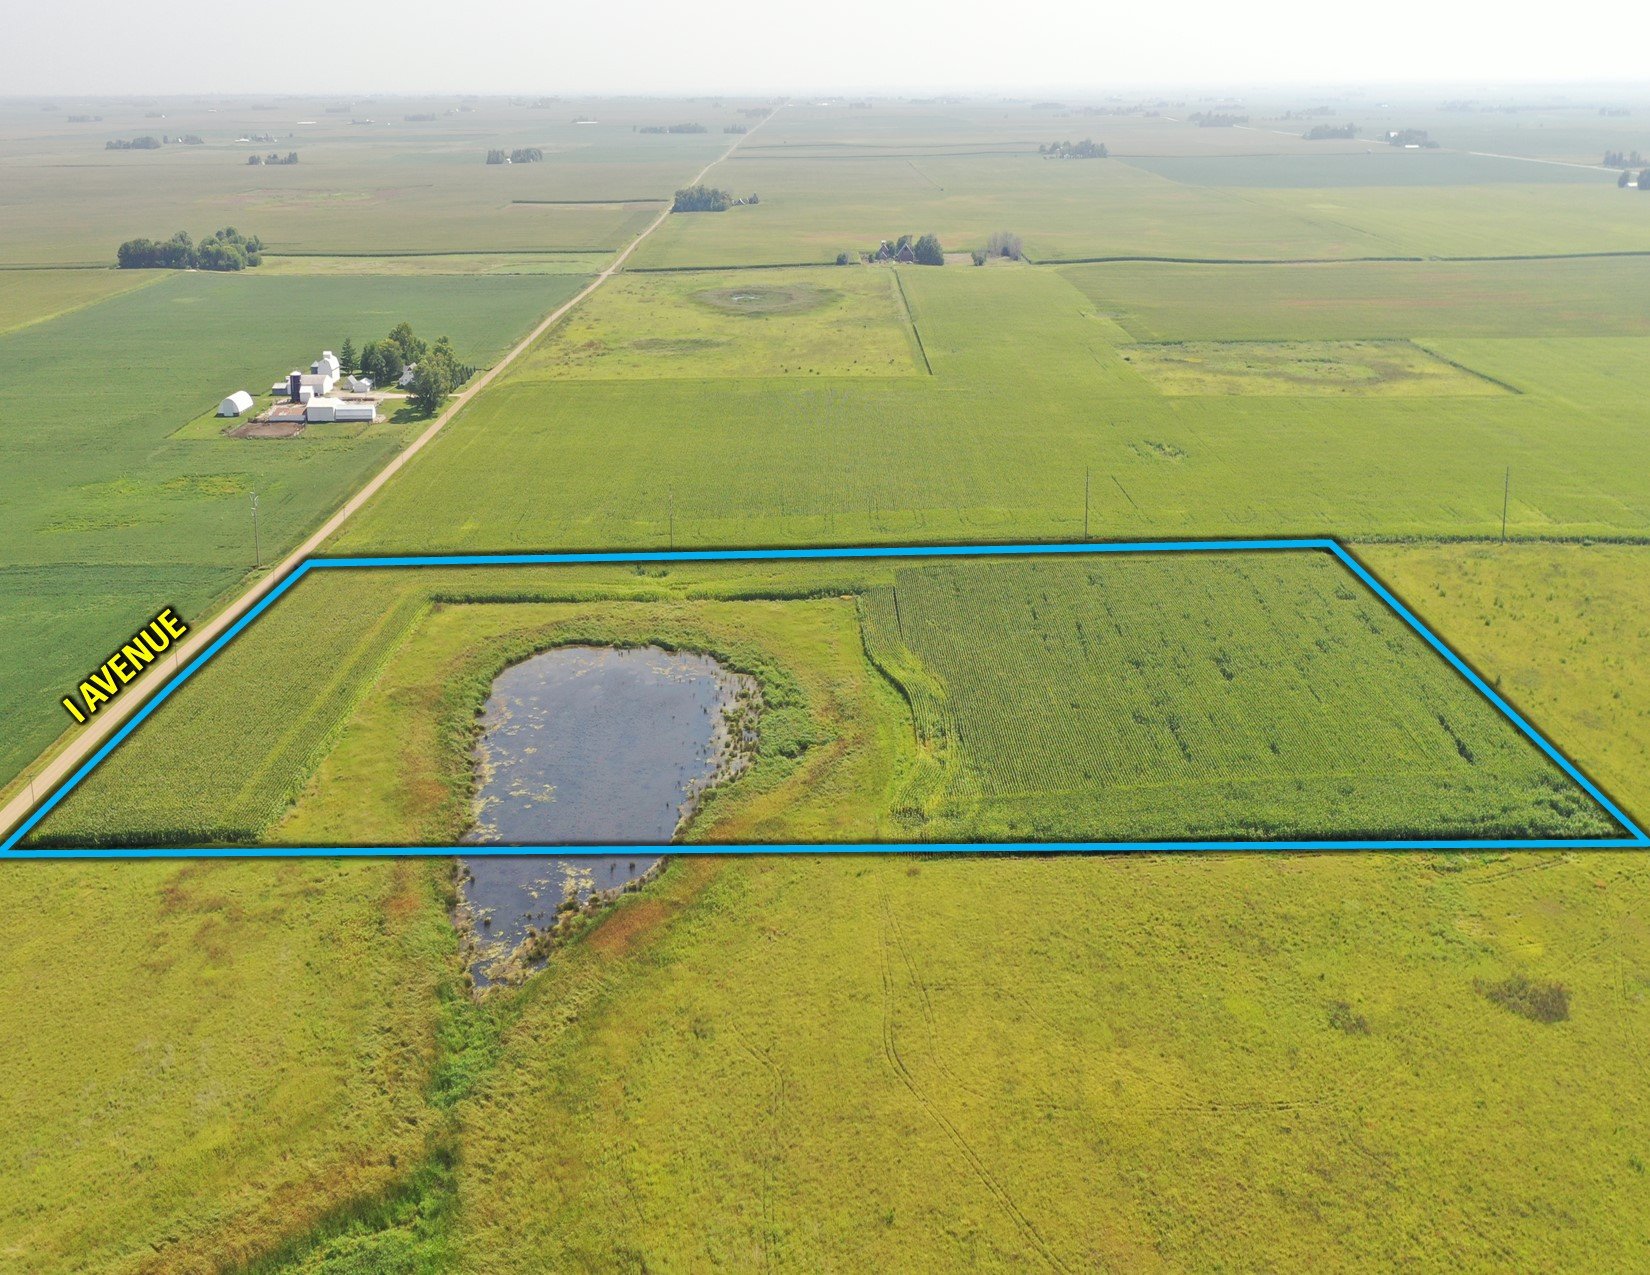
1374	164
440	263
1558	629
1030	402
1369	300
112	518
209	1058
812	209
1142	1063
1287	368
838	322
34	296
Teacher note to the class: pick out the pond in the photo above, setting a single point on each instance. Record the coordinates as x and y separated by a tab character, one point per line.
586	745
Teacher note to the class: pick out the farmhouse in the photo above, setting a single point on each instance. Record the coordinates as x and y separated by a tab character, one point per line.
238	402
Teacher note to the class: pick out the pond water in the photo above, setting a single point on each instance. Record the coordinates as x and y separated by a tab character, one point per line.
587	745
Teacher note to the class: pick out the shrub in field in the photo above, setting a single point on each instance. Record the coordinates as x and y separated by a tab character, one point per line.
1540	1002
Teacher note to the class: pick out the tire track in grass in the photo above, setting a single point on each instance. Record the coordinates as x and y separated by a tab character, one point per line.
776	1112
929	1017
890	1049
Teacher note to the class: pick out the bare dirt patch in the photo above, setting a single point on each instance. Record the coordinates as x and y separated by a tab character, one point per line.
266	429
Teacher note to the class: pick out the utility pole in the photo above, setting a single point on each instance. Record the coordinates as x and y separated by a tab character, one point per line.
1087	475
1506	494
257	548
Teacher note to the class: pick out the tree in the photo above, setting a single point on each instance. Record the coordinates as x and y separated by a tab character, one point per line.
1644	179
843	259
928	251
381	362
434	379
701	199
346	355
1005	243
1623	179
412	349
979	256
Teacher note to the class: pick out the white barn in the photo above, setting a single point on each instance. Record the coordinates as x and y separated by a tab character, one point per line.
238	402
328	363
335	409
358	384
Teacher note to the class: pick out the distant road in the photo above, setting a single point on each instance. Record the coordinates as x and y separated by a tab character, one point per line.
108	720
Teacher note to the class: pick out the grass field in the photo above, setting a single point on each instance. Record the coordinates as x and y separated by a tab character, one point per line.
208	1059
33	296
841	322
1255	702
1558	629
1581	297
1239	1063
111	518
1287	368
1029	393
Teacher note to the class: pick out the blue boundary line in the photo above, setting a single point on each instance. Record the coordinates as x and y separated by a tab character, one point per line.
1636	839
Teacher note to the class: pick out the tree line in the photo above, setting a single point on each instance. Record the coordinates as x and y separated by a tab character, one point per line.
1330	132
291	157
1616	159
1088	148
672	128
521	155
707	199
225	249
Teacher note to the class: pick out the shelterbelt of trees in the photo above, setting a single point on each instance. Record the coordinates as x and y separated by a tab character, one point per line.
703	198
225	249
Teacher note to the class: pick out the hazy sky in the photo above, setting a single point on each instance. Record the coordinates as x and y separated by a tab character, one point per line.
660	46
